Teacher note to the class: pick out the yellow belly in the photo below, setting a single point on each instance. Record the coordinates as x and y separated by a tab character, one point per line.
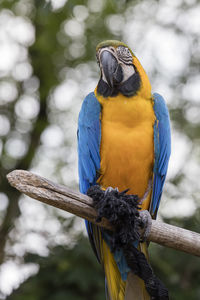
127	147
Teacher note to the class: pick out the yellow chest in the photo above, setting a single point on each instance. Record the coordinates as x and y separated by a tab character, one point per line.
127	145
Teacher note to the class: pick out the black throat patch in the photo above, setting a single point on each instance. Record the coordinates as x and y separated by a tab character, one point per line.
128	88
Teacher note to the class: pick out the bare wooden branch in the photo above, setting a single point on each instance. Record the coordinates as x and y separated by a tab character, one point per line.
81	205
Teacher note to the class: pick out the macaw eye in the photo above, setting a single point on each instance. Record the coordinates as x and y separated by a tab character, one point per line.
128	52
124	54
121	50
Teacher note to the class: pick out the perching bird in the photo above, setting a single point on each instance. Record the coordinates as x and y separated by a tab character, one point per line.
123	142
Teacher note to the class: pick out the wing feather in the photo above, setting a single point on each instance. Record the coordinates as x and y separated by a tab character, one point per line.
89	137
162	149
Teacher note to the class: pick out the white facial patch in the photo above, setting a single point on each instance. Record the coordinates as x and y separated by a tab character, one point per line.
128	71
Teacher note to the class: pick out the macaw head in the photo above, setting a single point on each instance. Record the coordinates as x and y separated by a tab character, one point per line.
121	71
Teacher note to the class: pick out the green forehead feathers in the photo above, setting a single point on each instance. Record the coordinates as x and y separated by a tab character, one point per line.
112	43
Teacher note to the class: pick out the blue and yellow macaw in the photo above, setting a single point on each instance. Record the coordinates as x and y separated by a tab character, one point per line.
123	142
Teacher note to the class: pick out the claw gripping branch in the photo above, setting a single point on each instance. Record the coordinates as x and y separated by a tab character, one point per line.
122	211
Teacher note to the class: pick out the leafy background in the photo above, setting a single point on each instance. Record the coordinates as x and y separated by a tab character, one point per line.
47	67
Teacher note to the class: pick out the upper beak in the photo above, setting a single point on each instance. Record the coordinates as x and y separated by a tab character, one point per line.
109	64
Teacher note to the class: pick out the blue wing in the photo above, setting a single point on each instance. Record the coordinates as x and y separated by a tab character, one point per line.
89	138
162	149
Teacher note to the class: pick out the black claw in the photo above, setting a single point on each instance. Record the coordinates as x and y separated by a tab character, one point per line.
124	192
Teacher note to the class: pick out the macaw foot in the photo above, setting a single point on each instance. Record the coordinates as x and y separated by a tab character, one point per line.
110	189
145	224
122	212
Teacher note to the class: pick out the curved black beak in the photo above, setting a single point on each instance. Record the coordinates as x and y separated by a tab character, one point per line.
109	64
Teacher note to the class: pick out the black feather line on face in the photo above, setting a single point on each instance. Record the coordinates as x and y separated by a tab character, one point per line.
118	75
128	88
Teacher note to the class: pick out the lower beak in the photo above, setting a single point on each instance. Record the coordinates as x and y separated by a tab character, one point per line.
109	64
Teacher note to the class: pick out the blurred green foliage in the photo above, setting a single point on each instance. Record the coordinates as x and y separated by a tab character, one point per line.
179	271
73	272
66	274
